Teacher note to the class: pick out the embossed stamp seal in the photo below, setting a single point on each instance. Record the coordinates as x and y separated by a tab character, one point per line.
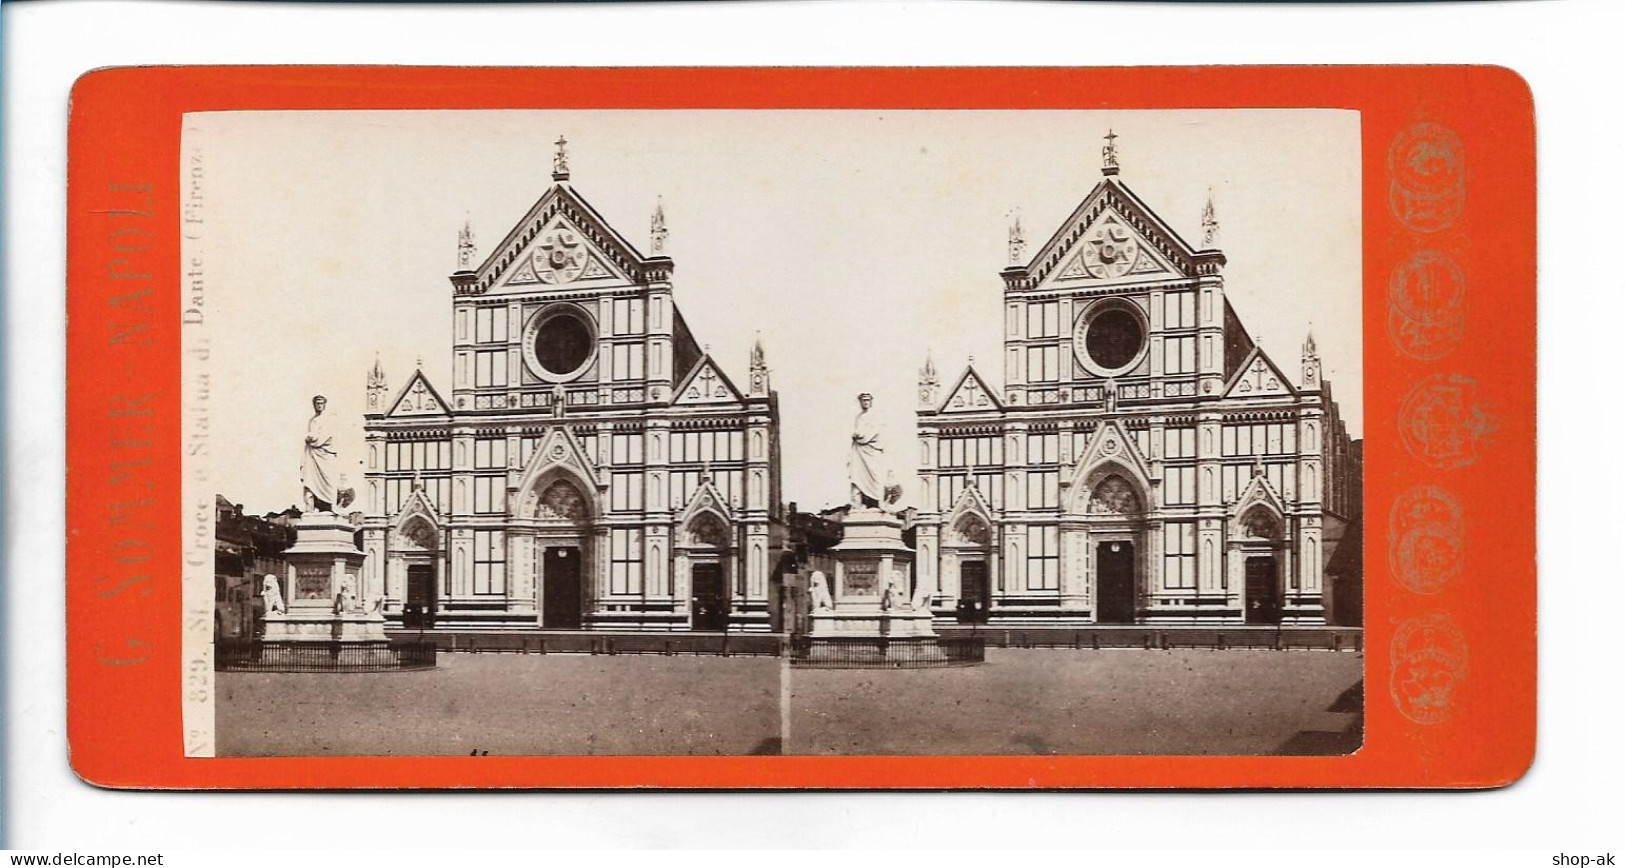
1427	186
1425	539
1427	661
1442	422
1427	307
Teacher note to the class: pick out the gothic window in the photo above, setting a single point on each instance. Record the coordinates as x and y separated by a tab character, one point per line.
490	453
1043	448
1179	486
490	369
627	362
491	324
1043	364
1179	310
1179	355
625	561
626	449
1179	443
1114	496
1043	489
626	492
489	563
626	316
1179	555
1044	319
1043	558
489	492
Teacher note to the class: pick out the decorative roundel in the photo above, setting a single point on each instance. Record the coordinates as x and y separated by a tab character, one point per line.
559	342
1110	250
561	257
1109	338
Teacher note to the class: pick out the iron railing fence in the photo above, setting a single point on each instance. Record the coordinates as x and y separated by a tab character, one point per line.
881	652
669	645
253	655
1159	638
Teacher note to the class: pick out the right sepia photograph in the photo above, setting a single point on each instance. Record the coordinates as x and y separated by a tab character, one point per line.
956	433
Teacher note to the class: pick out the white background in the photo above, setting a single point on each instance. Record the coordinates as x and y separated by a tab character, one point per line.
1568	51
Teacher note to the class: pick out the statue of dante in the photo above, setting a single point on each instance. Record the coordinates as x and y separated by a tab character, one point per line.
863	464
318	469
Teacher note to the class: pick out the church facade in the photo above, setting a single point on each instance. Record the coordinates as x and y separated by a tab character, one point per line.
1142	460
590	466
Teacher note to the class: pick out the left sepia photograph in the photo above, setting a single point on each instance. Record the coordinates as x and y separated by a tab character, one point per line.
957	433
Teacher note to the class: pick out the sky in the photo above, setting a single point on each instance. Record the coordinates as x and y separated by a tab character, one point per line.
851	242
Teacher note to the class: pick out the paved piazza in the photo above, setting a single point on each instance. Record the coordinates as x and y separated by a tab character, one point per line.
1019	702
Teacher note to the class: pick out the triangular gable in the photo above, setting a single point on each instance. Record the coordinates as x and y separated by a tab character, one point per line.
1258	377
1112	249
1085	245
706	384
1111	445
561	207
417	503
418	398
971	501
560	254
1259	490
558	451
969	395
706	498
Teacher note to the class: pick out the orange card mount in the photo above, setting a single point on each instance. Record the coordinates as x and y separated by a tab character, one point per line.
562	516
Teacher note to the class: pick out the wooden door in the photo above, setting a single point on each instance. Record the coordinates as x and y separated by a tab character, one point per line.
709	598
1114	583
974	597
420	597
561	588
1263	598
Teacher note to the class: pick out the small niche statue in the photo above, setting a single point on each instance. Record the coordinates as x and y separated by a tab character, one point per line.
271	592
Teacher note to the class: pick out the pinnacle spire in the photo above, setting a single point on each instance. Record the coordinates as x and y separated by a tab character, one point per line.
466	252
657	228
1018	240
1210	222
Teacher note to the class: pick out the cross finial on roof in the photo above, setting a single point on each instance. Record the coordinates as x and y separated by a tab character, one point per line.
561	160
1108	154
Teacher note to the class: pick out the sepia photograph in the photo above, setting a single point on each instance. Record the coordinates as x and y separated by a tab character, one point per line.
802	433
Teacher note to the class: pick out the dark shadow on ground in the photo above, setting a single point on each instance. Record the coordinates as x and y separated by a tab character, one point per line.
1333	743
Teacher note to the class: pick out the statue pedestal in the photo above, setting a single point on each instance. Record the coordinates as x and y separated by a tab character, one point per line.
870	557
322	556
